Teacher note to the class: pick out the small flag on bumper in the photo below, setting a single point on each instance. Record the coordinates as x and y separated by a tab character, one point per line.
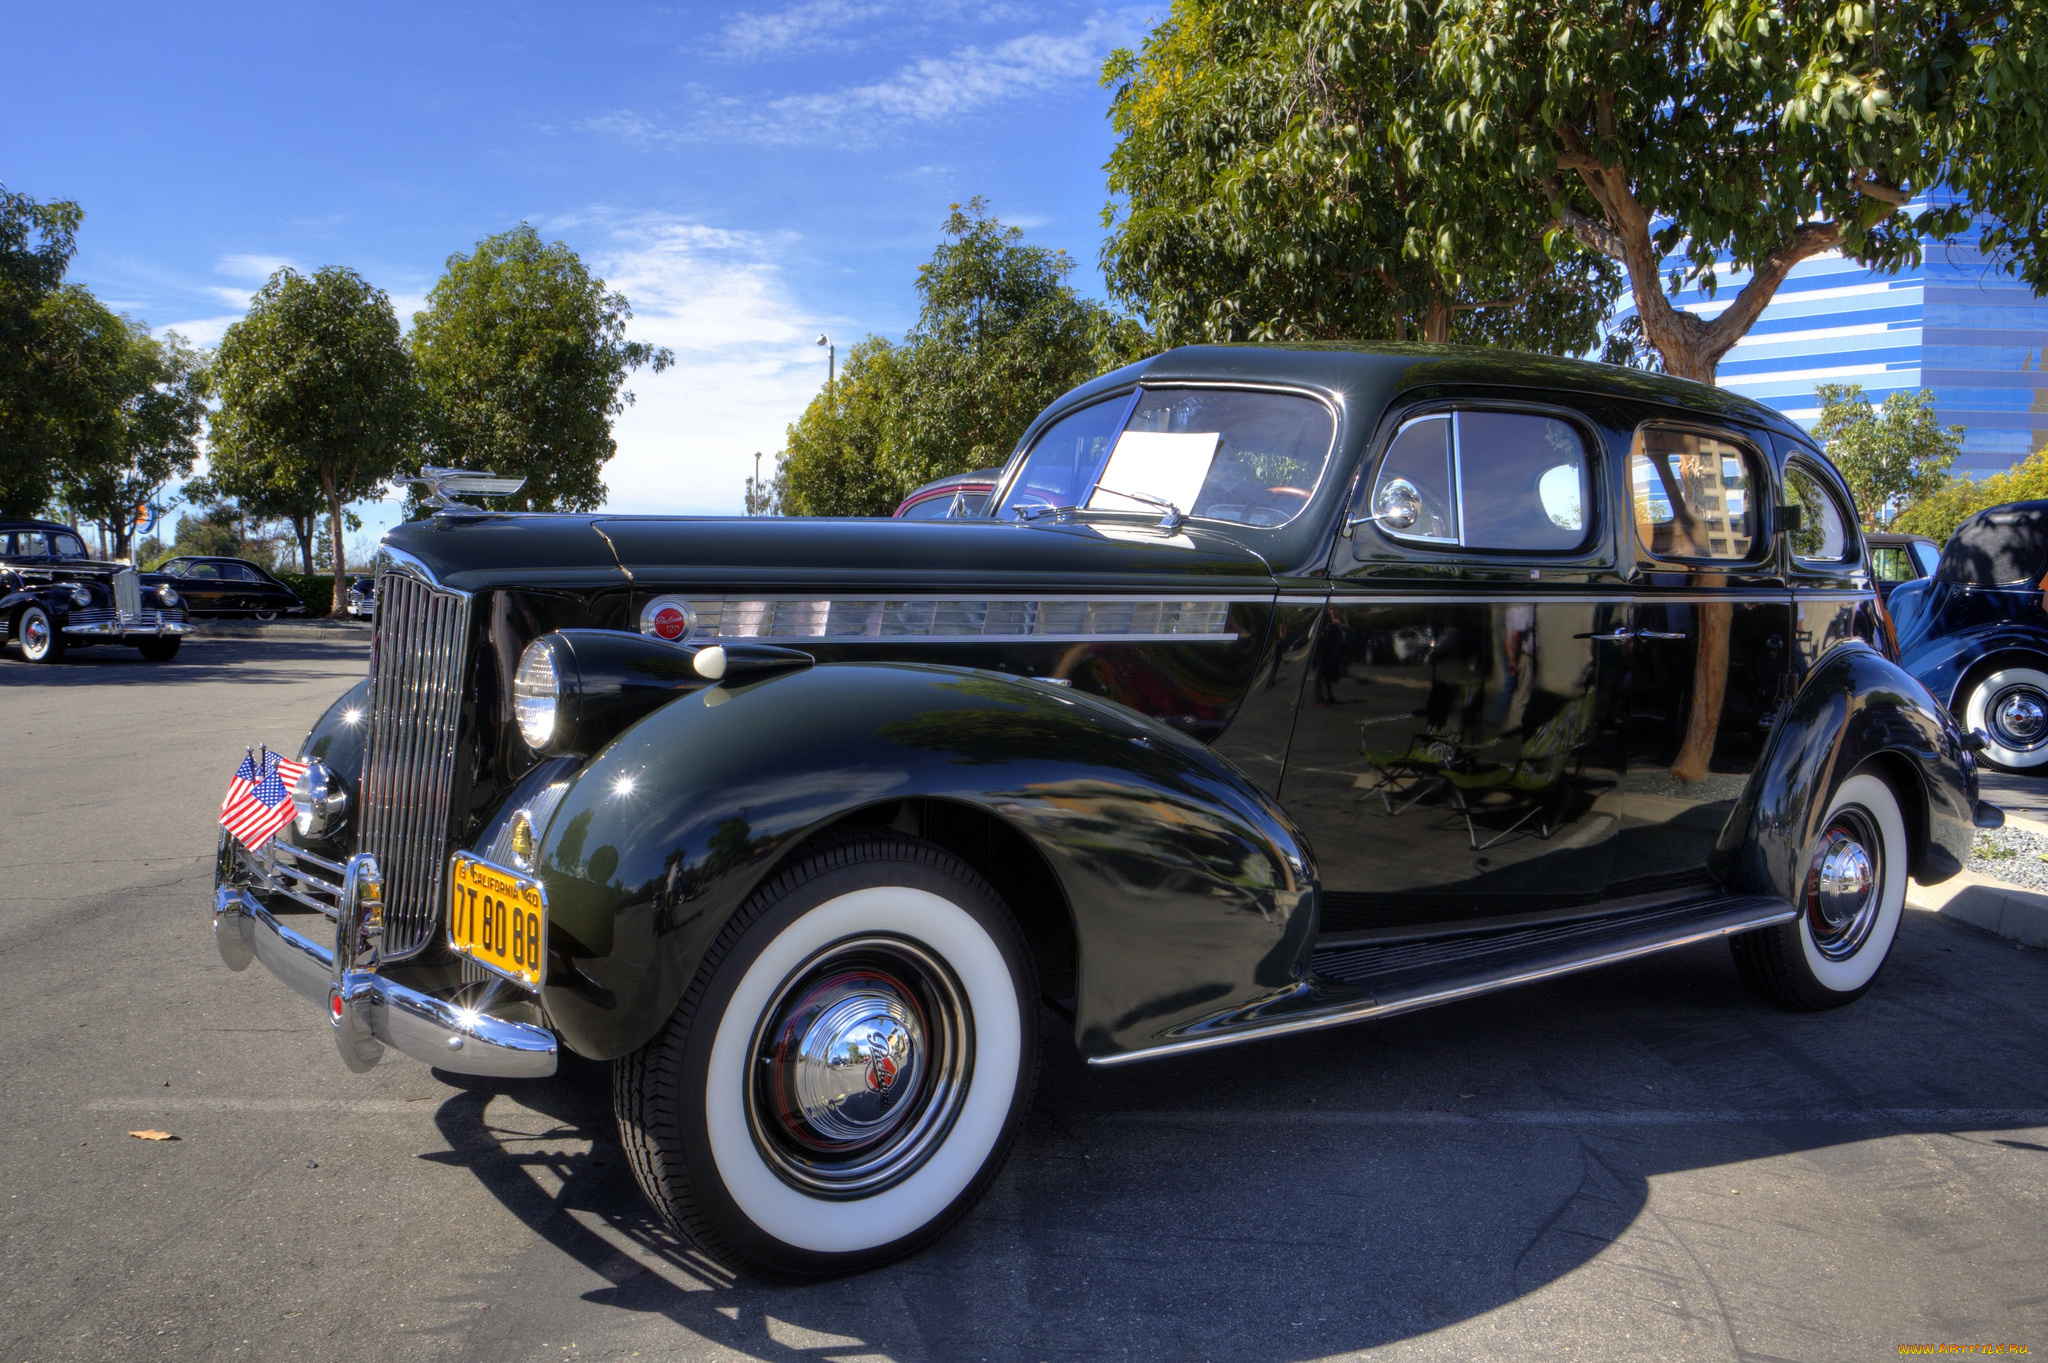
259	799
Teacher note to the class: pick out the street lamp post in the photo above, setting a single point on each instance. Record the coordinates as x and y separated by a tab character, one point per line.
754	497
831	359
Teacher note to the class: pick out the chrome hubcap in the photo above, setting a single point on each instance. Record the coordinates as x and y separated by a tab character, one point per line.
1845	884
2020	717
860	1066
35	633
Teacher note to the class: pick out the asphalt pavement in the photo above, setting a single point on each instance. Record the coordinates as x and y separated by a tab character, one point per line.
1640	1162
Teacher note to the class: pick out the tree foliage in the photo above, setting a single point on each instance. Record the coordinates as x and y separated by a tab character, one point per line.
1747	134
524	359
315	383
1939	513
1000	334
1265	196
1890	456
36	244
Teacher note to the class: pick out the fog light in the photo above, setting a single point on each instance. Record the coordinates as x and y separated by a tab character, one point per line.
522	841
370	896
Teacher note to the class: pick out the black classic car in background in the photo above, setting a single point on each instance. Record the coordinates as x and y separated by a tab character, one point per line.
231	586
1896	558
54	595
1277	689
1975	635
362	597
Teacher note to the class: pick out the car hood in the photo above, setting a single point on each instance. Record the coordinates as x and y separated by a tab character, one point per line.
773	553
77	570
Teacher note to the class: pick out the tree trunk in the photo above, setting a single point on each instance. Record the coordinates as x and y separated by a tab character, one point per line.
330	485
302	530
1436	323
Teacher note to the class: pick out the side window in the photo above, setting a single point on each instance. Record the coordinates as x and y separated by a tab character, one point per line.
1890	563
1692	495
1487	480
1823	533
31	544
1926	555
204	570
240	572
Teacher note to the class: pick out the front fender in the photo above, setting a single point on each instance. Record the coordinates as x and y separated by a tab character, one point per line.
1189	890
1941	663
1855	705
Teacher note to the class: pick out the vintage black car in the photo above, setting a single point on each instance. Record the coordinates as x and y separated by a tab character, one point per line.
54	595
1975	635
230	587
362	597
1278	689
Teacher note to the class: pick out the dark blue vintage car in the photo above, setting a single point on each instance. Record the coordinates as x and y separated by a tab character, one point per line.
1273	689
1976	635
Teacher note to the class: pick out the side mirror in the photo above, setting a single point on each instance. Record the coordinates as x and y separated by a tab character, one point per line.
1397	507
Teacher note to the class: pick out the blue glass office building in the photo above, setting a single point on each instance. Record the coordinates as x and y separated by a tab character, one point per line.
1957	325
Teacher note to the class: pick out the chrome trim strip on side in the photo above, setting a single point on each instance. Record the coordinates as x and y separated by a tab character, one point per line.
1371	1008
389	559
427	1028
979	619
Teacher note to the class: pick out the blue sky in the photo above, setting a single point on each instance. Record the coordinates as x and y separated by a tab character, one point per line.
748	174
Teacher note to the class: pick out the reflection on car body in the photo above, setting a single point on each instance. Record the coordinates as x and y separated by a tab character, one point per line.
1273	689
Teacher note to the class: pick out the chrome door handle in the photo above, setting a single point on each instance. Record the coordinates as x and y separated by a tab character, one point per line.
1657	634
1618	636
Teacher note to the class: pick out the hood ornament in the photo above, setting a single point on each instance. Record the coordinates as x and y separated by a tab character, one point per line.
442	483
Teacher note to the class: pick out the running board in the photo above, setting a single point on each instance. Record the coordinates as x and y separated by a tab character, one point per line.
1355	983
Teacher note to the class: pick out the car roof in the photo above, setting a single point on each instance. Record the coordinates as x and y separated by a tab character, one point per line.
1897	537
6	526
975	478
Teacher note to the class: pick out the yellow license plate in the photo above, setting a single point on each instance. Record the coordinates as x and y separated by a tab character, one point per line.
499	919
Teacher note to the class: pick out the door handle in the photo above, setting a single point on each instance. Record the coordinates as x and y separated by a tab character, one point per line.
1616	637
1657	634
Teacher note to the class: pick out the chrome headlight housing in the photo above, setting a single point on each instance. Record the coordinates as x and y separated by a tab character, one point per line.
537	694
166	596
81	595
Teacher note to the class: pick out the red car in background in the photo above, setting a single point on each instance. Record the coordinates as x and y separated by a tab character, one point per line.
963	494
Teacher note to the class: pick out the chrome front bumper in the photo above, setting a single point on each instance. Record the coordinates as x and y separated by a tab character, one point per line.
368	1011
152	623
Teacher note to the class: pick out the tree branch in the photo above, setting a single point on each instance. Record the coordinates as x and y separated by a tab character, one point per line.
1514	302
1869	185
1808	239
1590	233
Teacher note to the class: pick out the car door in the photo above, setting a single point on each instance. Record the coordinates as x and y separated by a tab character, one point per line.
203	588
1711	627
1457	733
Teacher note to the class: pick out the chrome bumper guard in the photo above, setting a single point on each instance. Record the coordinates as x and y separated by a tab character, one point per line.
368	1011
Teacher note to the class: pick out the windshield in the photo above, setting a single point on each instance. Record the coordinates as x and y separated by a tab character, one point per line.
68	546
1249	458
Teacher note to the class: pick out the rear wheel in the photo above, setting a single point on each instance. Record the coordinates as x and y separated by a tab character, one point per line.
160	650
844	1078
1849	906
266	616
40	640
2011	707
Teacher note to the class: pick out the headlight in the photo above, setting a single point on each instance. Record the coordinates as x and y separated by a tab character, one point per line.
167	596
81	596
536	694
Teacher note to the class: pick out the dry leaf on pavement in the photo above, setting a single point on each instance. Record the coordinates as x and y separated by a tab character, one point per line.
153	1135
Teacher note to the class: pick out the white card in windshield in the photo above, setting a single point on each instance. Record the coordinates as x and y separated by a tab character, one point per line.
1168	465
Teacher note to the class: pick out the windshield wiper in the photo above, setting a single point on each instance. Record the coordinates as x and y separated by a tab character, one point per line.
1170	521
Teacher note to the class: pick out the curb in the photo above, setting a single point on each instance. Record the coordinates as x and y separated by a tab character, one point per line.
220	631
1982	902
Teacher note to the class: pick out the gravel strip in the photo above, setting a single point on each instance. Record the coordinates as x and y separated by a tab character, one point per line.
2018	856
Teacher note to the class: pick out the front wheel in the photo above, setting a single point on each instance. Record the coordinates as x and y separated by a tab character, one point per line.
1849	903
845	1076
40	640
2011	707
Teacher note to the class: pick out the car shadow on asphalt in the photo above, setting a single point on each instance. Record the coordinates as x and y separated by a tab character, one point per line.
208	661
1331	1193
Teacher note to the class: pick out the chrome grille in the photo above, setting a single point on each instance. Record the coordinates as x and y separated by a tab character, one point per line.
409	759
128	593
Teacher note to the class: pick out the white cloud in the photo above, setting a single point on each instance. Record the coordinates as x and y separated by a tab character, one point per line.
799	28
745	360
928	90
203	332
254	268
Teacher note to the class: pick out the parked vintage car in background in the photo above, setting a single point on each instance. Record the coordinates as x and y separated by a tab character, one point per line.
231	586
1277	689
362	597
1896	558
54	595
1975	635
962	494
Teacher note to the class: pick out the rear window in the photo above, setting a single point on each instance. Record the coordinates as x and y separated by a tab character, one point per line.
1823	534
1249	458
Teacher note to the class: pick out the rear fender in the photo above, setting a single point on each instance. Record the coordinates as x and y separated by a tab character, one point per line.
1189	890
1855	707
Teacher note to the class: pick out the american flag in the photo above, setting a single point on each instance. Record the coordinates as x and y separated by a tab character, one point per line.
259	799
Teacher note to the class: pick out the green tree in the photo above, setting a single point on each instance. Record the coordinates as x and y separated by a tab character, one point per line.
1732	134
1000	333
1263	196
1891	455
524	359
316	382
1937	514
36	244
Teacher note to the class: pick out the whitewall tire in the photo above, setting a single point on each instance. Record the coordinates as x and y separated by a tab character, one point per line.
846	1075
1850	903
2011	708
